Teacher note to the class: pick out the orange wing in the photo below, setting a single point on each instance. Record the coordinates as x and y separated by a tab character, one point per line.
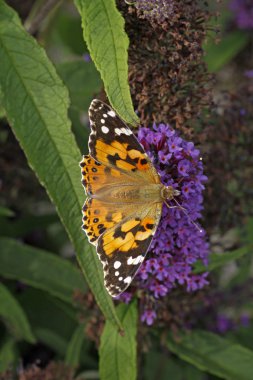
123	247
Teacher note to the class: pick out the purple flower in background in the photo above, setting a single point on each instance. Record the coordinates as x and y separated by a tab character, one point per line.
243	10
124	297
86	57
157	10
245	319
224	323
148	316
248	73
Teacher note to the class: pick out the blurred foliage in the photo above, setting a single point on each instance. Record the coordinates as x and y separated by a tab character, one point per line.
223	43
47	83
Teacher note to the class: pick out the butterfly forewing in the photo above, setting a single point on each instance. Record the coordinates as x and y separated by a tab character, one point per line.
114	144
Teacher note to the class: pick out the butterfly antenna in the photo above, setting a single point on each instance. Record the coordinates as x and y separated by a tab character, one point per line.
186	213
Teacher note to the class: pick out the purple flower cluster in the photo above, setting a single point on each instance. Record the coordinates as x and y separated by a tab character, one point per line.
178	242
157	10
243	10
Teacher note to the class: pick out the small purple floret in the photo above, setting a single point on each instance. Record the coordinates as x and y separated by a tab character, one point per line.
148	316
243	10
245	319
86	57
249	73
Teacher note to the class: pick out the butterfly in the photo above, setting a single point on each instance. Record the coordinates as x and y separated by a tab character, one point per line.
124	197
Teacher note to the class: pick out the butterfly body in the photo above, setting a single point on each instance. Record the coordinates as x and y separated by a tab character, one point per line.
130	193
124	197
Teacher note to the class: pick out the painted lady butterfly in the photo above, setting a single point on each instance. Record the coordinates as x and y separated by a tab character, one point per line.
124	197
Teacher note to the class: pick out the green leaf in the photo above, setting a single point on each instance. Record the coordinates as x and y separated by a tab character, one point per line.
217	260
163	366
103	29
218	55
118	352
192	373
159	366
19	227
249	230
8	354
49	316
4	211
40	269
14	317
214	354
74	348
36	102
88	375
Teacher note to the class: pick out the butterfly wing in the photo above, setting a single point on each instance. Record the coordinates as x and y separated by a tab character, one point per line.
123	247
122	229
113	144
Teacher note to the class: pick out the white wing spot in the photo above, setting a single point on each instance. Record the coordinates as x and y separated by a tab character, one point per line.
111	113
135	261
105	115
116	273
105	129
128	279
120	278
117	264
123	131
102	121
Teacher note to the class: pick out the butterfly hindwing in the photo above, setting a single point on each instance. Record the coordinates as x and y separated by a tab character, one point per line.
122	248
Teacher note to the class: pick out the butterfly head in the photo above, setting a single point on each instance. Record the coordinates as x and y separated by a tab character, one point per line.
168	192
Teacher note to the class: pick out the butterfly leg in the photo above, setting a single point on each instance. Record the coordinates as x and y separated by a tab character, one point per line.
178	206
